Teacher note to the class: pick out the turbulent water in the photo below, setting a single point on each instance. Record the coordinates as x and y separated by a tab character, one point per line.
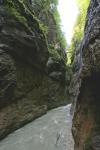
50	132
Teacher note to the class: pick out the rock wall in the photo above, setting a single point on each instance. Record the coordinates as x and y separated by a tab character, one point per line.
31	79
86	121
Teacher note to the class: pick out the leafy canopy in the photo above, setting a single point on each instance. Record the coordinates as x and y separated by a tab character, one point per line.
78	30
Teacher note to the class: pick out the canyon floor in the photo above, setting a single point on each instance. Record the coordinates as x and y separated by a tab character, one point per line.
49	132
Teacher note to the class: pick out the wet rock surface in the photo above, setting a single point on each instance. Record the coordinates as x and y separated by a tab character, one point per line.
26	89
86	122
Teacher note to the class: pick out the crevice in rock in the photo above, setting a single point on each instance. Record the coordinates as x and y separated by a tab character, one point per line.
87	114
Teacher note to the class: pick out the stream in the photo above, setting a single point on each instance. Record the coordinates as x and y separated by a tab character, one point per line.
49	132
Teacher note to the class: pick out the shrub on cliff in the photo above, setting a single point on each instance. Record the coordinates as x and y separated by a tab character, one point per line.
78	29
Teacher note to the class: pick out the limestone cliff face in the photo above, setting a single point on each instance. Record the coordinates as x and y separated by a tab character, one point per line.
86	122
32	80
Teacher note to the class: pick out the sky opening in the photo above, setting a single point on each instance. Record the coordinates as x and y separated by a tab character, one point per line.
68	11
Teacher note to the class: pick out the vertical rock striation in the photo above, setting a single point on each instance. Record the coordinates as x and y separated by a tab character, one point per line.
86	122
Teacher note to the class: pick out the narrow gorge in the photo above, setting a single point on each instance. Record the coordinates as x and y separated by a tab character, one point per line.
36	78
32	64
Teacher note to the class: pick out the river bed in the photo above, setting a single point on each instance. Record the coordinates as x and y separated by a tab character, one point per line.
49	132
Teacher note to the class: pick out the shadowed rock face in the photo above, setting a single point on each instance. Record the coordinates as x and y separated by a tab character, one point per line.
86	122
26	89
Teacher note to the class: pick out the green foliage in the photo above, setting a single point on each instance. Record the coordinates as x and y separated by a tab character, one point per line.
46	10
13	11
41	11
60	36
22	11
80	22
53	53
78	30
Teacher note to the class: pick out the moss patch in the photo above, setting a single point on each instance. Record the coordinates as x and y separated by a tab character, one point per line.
24	13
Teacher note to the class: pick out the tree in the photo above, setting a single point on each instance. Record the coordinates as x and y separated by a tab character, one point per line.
78	30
